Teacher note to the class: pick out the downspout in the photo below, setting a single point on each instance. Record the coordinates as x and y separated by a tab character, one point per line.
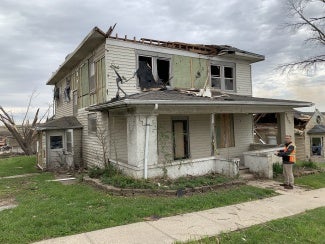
146	149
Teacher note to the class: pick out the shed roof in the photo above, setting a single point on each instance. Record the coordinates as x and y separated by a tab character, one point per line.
317	129
176	97
69	122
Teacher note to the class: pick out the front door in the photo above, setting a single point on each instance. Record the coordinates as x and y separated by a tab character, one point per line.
55	147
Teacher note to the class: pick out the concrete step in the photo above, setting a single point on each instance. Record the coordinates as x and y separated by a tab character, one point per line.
243	170
246	176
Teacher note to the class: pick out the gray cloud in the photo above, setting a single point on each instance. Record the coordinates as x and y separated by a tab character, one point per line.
37	35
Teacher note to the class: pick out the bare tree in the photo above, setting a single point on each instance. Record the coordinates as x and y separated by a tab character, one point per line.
311	24
25	133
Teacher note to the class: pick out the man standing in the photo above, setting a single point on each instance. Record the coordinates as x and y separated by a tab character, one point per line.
289	158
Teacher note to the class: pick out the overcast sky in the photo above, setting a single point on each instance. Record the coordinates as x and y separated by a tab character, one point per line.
36	36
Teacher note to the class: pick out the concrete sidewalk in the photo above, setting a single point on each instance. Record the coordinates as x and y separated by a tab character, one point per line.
203	223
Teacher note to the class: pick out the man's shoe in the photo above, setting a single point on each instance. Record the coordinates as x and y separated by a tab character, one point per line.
283	184
288	187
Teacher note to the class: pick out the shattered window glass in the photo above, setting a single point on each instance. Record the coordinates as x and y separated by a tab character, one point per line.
215	76
163	70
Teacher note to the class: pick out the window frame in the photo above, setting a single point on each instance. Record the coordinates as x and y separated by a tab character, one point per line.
186	137
92	129
231	129
222	77
69	142
92	76
321	145
154	57
61	145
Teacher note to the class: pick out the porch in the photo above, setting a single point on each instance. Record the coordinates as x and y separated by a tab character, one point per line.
150	138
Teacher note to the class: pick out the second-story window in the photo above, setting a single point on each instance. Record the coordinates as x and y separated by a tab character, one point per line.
92	80
159	67
223	77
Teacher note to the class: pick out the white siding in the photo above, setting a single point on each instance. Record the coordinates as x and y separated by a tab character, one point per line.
243	78
118	138
123	54
125	59
92	151
63	108
200	137
243	124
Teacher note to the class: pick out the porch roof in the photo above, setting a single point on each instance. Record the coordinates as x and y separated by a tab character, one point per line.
63	123
317	129
188	98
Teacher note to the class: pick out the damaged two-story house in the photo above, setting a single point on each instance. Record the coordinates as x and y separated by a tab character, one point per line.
155	108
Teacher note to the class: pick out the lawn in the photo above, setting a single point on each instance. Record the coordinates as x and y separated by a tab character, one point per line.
314	181
18	165
50	209
308	227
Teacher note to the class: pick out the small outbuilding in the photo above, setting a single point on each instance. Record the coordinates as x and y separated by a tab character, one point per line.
59	144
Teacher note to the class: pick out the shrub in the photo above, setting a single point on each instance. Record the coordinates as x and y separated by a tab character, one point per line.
108	171
277	169
308	164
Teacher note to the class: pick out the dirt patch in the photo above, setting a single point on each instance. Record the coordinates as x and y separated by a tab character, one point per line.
7	203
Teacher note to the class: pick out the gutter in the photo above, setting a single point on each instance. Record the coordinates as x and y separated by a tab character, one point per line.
200	103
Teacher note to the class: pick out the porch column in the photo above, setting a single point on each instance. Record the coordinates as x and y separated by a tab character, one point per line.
285	126
142	147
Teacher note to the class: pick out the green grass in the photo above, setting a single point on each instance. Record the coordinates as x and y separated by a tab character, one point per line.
50	209
308	227
313	181
18	165
123	181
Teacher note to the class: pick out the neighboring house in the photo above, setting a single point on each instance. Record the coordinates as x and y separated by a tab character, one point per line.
309	128
7	139
310	136
182	108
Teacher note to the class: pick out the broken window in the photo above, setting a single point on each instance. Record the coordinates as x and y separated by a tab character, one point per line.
91	72
215	76
223	77
163	71
181	138
92	123
144	73
316	146
67	90
56	93
224	130
56	142
147	60
153	72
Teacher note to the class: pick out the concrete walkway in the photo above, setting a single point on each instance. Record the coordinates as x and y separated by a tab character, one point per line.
203	223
